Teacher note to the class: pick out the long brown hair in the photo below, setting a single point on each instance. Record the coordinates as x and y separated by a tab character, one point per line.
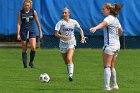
114	9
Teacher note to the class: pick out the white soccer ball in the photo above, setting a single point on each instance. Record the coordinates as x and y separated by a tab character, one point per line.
44	77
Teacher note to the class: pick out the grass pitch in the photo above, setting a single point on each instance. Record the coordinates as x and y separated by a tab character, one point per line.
88	72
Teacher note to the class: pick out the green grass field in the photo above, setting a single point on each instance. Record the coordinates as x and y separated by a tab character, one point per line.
88	75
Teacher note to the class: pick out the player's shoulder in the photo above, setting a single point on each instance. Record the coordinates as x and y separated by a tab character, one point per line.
110	17
73	20
33	11
21	11
113	18
61	21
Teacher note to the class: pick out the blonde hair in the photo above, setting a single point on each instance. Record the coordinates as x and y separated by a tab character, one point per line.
28	1
114	9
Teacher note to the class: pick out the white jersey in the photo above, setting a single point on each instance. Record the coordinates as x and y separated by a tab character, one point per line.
111	36
67	29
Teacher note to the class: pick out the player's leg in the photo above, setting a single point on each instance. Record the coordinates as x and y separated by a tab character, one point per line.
113	74
64	56
33	51
70	64
107	70
24	53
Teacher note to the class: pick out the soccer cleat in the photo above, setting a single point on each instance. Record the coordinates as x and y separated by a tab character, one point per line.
31	65
114	87
107	88
70	79
25	66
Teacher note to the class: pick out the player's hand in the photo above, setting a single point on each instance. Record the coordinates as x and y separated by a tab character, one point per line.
40	36
83	40
92	30
18	37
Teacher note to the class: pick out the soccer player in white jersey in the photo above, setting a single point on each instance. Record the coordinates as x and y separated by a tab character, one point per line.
64	30
112	31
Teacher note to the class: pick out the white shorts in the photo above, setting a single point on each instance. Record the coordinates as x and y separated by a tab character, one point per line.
65	45
111	50
64	50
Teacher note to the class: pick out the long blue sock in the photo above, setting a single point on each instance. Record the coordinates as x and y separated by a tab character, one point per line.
32	56
24	59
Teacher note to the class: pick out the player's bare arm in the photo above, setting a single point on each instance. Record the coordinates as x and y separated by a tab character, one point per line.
101	25
120	31
58	35
38	24
82	35
18	26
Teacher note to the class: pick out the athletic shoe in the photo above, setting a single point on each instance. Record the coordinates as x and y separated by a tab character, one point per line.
107	88
25	66
70	79
31	65
114	87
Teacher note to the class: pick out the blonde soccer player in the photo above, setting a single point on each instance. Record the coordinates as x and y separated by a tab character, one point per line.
26	29
64	30
112	31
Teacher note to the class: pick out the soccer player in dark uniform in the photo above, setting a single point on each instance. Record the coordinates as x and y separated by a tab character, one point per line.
25	31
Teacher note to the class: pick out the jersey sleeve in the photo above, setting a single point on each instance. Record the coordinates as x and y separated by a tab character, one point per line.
58	26
77	24
109	20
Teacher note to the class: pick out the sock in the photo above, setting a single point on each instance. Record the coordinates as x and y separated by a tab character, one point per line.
24	59
70	68
107	75
113	77
32	56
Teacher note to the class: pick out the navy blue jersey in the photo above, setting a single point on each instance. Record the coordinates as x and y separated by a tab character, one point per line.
27	21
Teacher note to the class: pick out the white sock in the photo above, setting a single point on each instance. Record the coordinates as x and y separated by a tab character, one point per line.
107	75
113	77
70	69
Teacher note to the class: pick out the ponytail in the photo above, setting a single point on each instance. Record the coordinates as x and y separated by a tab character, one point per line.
115	9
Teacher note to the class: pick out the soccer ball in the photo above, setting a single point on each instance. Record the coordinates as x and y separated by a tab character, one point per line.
44	77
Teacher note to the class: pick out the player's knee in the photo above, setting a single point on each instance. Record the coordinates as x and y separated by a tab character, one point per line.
33	49
69	60
24	49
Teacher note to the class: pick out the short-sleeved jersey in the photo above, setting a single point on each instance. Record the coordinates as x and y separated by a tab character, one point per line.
27	20
111	36
67	28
